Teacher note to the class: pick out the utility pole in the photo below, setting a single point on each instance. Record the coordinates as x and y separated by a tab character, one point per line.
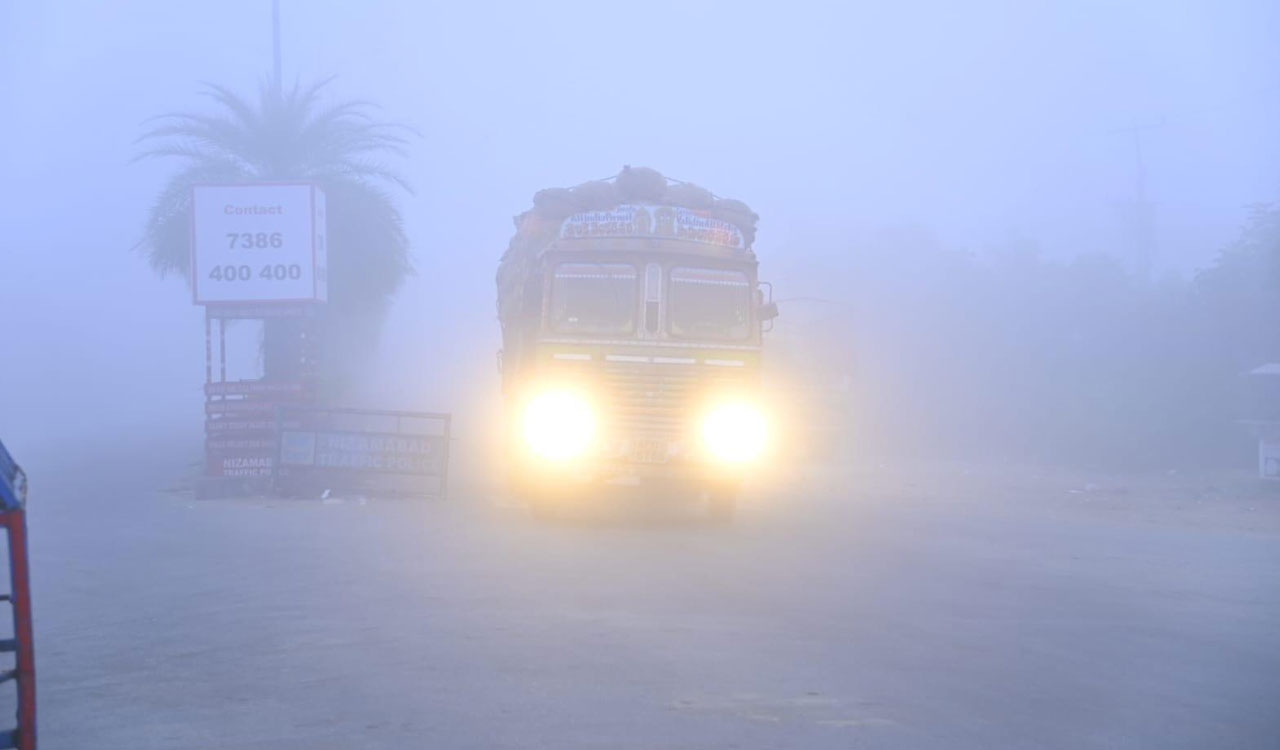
1143	238
275	45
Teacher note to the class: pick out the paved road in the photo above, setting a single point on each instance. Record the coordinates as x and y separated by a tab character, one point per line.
868	611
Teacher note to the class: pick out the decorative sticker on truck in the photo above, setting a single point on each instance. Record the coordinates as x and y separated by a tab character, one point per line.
673	222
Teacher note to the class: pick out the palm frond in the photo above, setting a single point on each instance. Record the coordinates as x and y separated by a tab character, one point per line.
364	171
233	103
218	135
309	97
167	237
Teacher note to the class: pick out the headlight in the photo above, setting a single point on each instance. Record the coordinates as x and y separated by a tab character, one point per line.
558	425
734	432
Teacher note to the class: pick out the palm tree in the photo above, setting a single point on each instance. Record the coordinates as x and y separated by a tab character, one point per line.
287	135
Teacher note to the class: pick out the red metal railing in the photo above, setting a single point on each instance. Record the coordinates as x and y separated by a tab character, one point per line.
13	517
22	644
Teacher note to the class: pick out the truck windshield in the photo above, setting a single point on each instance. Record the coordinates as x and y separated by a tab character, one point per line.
706	303
597	298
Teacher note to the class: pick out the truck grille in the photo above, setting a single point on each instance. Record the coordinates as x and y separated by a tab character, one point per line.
660	400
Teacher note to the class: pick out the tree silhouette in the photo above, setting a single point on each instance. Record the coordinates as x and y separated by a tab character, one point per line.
294	134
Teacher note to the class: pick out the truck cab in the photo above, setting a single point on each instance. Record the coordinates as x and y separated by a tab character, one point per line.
632	357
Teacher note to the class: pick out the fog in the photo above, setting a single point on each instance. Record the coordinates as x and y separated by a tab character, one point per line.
1000	233
979	127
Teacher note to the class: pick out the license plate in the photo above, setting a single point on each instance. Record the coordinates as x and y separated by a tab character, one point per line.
649	451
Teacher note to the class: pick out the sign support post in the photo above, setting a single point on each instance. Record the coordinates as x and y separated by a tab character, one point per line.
258	253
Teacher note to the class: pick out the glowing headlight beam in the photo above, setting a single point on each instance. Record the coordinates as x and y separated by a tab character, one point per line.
735	432
558	425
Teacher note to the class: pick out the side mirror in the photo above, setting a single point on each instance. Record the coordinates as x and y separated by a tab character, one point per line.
768	311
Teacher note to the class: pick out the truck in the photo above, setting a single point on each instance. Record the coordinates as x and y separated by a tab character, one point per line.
632	322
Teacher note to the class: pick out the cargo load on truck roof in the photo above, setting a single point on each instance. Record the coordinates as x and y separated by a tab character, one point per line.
637	202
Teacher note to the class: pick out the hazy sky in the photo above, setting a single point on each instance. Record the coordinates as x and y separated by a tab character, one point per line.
979	121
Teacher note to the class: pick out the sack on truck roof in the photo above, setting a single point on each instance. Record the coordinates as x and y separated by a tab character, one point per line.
641	185
689	195
632	185
595	196
554	202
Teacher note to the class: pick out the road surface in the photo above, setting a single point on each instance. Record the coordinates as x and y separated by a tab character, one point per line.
937	607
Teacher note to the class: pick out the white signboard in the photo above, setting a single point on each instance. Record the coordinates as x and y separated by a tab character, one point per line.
258	243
